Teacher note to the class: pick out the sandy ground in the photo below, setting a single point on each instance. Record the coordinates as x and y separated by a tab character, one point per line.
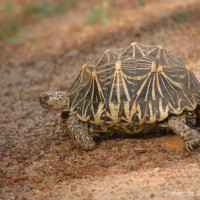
38	162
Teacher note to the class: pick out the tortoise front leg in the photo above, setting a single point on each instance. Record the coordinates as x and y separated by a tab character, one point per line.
190	137
77	132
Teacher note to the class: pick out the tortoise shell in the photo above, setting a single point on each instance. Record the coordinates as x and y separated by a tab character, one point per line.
135	85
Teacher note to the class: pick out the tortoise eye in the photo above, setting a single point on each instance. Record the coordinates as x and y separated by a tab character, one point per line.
46	98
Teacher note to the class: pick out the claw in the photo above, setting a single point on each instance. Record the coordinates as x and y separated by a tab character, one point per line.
192	145
187	146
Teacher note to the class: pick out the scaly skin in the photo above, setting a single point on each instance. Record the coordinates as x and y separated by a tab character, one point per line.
190	137
70	124
54	100
79	134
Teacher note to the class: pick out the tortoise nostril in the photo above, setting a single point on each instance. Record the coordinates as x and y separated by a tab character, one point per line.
43	98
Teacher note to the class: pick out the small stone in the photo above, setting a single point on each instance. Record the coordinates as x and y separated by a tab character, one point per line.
139	150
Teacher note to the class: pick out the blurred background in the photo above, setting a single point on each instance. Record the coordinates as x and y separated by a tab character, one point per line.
50	27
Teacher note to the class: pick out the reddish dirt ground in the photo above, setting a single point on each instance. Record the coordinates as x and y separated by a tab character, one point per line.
38	162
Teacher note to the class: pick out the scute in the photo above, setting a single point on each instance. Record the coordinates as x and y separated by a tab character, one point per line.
134	85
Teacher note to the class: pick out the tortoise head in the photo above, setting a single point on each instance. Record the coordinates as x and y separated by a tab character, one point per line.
54	100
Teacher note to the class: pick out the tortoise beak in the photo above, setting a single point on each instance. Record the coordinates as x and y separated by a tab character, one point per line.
43	99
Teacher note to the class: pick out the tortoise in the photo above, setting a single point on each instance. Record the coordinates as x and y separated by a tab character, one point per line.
130	90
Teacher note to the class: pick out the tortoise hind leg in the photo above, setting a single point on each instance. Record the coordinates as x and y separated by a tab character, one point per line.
190	137
78	133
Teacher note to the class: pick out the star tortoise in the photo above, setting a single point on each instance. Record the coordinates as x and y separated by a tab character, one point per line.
131	90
